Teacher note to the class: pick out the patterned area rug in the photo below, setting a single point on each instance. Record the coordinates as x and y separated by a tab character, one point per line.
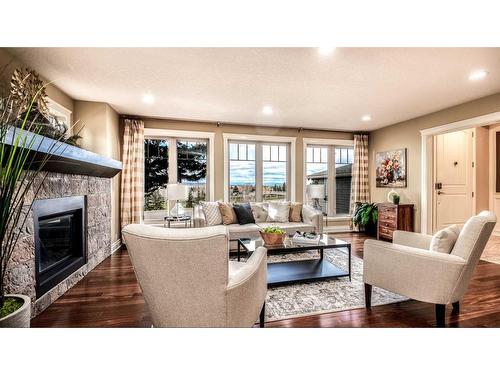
303	299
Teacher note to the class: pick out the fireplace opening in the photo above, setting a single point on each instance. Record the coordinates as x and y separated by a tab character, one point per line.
60	246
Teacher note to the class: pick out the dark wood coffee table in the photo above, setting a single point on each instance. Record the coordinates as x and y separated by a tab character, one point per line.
300	270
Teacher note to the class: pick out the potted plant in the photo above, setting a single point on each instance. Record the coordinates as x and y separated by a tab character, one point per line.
365	217
273	235
20	165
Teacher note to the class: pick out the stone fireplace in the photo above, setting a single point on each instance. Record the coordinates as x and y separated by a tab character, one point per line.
68	227
21	276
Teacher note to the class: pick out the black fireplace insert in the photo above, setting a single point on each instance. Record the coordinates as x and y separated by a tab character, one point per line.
60	239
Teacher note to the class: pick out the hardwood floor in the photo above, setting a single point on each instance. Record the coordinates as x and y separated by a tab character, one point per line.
109	296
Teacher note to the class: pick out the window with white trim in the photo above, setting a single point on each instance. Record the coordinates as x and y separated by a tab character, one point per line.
258	171
170	160
329	166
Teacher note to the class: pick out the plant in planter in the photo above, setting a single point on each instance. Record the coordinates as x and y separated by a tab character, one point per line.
273	235
21	172
365	217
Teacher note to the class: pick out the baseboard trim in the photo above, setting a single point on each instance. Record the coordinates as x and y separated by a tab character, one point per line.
116	245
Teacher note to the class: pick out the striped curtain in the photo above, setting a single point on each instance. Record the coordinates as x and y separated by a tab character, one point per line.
360	188
132	188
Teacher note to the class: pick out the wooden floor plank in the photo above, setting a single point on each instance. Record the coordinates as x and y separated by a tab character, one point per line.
109	296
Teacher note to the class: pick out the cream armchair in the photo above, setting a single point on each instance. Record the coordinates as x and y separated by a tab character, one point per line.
407	267
188	281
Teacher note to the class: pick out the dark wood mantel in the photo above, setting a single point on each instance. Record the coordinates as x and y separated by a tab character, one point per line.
66	158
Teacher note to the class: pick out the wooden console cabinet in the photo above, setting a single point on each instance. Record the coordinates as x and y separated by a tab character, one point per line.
393	217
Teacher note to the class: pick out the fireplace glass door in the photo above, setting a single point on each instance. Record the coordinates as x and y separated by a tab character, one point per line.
60	239
57	240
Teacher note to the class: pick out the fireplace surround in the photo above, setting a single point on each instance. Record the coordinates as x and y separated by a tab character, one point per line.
60	226
73	202
21	275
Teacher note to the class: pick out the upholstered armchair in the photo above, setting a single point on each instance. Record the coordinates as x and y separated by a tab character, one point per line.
409	268
188	281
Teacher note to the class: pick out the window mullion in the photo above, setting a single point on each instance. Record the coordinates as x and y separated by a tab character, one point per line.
172	160
259	165
288	172
332	188
172	165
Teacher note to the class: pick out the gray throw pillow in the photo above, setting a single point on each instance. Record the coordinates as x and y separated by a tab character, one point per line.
259	211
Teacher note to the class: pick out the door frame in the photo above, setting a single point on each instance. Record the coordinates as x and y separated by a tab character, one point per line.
427	160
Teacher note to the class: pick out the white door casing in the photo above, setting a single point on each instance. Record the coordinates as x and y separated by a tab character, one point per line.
494	195
427	136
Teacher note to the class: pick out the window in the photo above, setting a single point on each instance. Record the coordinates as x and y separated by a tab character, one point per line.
258	171
343	176
242	181
317	174
169	160
343	156
155	173
331	167
192	170
274	172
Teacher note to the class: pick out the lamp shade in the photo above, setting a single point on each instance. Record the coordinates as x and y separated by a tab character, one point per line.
177	192
316	191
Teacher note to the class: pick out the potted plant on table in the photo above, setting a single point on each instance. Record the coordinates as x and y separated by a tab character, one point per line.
273	235
20	167
365	217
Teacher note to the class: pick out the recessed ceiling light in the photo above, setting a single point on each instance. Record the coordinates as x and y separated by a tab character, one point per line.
326	51
267	110
478	75
366	118
148	99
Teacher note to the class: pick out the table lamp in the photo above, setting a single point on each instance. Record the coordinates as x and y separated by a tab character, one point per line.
316	192
176	192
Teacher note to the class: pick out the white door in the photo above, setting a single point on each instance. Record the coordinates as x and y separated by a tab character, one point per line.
453	178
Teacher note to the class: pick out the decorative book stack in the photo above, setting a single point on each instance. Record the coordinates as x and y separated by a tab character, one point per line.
306	238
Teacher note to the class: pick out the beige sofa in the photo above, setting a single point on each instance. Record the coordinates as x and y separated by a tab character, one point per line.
312	220
409	268
188	281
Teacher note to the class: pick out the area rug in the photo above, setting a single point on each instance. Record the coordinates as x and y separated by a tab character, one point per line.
310	298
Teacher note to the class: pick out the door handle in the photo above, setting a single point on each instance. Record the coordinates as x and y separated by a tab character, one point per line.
440	192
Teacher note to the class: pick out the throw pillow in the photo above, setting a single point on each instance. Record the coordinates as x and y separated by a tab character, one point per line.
244	213
212	213
259	211
444	240
278	212
295	212
227	213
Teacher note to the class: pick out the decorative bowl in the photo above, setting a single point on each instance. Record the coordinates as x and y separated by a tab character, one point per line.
272	238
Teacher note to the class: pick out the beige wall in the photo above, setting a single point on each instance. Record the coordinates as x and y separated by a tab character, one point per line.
247	129
407	134
99	126
7	66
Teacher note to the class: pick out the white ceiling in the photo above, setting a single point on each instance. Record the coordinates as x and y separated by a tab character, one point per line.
304	88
